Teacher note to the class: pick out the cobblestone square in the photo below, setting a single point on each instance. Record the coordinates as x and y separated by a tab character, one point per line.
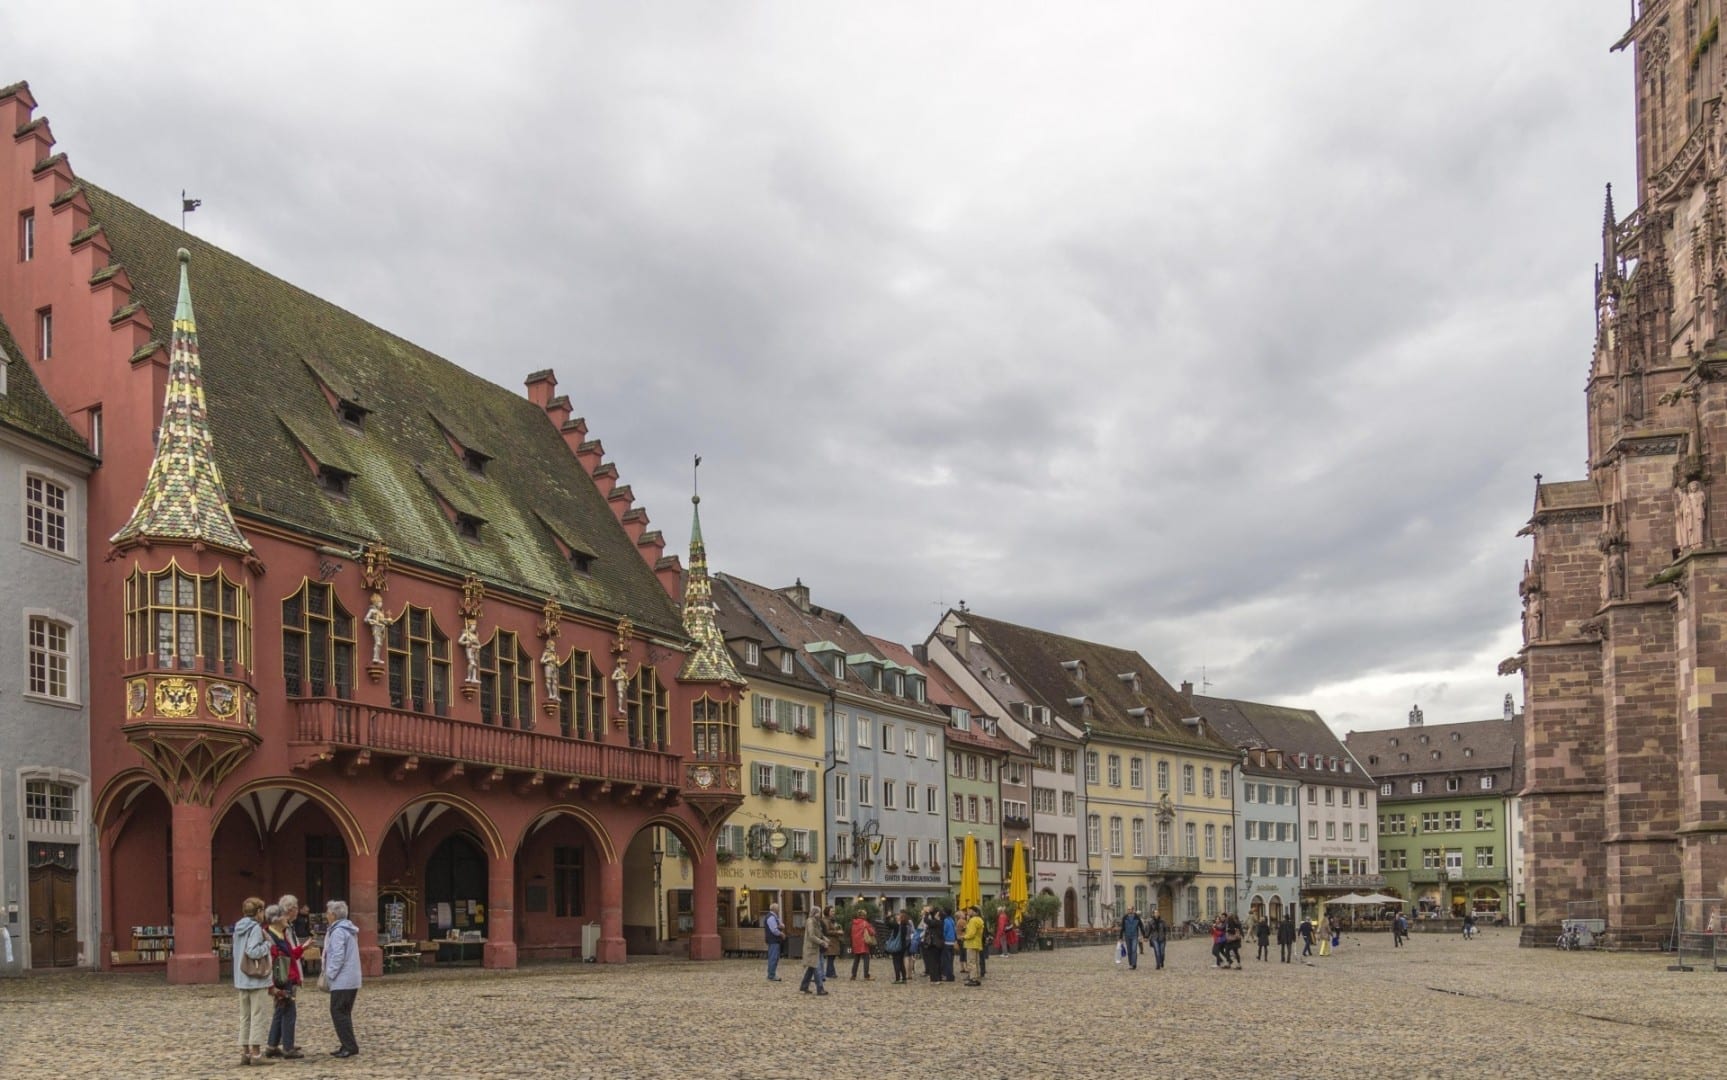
1440	1007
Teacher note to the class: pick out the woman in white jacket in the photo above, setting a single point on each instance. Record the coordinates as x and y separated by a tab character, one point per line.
342	974
249	946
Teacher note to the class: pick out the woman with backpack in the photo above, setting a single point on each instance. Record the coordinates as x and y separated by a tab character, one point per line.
251	953
932	944
899	945
1232	941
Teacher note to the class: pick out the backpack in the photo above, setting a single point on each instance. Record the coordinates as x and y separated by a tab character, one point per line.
282	972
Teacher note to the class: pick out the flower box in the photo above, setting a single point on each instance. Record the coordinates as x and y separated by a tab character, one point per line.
805	730
771	725
766	790
893	866
801	796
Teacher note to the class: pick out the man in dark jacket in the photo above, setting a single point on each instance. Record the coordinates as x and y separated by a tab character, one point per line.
1262	935
1131	931
1306	931
1286	938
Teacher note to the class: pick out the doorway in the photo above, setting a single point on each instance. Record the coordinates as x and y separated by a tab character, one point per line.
1070	909
53	917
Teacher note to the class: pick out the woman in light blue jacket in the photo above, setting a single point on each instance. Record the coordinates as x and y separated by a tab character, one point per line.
342	974
250	944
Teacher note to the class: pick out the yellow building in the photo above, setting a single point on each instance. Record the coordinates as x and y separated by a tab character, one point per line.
770	848
1156	794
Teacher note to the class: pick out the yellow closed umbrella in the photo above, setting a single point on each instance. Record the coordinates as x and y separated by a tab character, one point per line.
1018	888
970	892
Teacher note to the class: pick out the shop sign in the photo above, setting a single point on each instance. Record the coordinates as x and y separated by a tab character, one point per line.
915	879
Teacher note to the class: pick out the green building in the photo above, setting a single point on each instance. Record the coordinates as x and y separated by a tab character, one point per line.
1447	839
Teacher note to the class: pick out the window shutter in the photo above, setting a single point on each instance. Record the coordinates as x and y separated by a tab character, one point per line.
783	712
782	781
755	780
810	781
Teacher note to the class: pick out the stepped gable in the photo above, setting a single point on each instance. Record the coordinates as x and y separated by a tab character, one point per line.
1276	727
26	408
800	628
1037	657
290	376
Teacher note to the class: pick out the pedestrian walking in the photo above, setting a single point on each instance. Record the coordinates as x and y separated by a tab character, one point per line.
251	952
899	944
774	931
341	974
1219	931
863	940
1325	932
1468	925
1232	941
1306	936
831	932
932	944
1286	938
1132	929
285	978
974	947
1157	935
1398	929
949	945
1262	936
1002	926
815	955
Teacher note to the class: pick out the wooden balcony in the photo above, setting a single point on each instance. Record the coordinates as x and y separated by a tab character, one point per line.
328	727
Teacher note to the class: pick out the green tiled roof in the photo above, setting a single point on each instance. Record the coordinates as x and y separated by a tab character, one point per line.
26	407
263	339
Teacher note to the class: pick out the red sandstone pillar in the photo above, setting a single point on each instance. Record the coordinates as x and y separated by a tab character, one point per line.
105	914
363	910
704	936
194	960
500	951
612	949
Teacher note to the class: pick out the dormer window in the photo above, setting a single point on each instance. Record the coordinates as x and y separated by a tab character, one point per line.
1303	760
1131	678
581	562
468	526
786	663
353	416
475	461
334	481
1455	735
962	719
752	653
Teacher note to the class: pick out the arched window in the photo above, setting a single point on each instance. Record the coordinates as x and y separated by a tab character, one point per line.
649	710
715	728
317	643
174	618
506	681
419	663
581	697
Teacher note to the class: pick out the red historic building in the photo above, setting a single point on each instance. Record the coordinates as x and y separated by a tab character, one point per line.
370	627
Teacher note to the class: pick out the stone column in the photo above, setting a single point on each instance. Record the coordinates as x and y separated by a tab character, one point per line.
704	902
612	949
193	960
500	949
363	910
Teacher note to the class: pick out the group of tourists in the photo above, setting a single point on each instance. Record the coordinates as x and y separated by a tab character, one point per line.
936	939
1227	933
269	951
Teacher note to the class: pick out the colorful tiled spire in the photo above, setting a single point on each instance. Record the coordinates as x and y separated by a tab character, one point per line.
712	660
183	497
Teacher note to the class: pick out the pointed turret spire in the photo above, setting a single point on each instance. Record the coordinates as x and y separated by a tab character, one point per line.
1609	240
712	660
183	497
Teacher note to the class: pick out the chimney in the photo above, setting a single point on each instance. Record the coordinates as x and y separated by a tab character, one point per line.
1415	716
799	593
1510	708
962	641
542	387
1187	691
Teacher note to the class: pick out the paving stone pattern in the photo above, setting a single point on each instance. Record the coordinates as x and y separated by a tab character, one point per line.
1439	1007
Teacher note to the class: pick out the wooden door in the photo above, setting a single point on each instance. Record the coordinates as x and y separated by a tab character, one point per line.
53	917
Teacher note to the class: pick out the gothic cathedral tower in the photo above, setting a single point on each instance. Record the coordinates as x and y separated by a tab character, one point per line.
1626	590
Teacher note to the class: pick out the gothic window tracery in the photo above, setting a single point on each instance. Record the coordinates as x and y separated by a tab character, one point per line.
506	681
317	643
648	709
715	728
419	658
581	697
174	618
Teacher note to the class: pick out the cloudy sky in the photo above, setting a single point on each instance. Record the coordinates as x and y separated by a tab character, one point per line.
1231	335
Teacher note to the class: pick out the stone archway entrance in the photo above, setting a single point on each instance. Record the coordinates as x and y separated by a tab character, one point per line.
443	861
560	863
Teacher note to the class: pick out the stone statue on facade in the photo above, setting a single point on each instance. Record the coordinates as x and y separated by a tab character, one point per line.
1613	583
621	682
1690	508
379	621
1532	615
470	643
549	669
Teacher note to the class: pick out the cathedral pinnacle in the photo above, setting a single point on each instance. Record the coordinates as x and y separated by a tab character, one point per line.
183	497
712	659
1609	240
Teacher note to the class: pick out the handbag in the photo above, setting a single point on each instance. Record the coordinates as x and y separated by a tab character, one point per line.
869	937
254	967
894	942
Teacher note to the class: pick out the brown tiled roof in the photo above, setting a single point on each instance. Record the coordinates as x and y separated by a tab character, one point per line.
1497	744
26	407
943	691
800	628
1004	686
1037	656
738	622
1293	731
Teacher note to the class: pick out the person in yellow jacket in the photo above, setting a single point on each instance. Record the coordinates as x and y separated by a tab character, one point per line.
1325	932
973	942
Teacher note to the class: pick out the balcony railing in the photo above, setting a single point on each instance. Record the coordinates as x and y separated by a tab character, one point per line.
1172	864
332	722
1343	881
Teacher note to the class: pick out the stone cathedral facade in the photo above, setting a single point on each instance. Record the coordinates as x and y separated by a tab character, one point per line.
1625	591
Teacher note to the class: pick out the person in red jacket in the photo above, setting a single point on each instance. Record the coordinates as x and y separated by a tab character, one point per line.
863	939
1001	923
279	929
